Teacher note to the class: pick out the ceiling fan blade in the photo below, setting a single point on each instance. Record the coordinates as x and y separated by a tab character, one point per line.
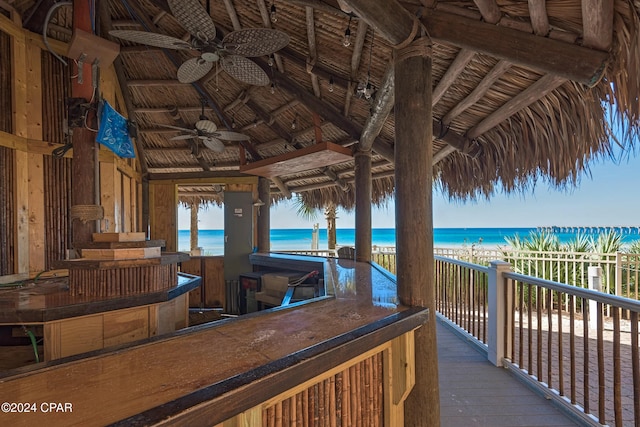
245	70
206	126
231	136
255	41
181	137
175	127
194	18
214	144
193	70
151	39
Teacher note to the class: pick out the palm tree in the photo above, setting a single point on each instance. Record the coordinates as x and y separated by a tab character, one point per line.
309	213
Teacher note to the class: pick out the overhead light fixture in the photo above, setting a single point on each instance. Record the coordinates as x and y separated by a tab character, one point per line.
346	41
273	13
294	122
365	89
273	88
271	60
331	84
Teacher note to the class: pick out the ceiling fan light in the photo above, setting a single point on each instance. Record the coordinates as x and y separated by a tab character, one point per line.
210	56
206	126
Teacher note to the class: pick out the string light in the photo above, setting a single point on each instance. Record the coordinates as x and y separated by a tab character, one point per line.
294	123
331	84
273	15
270	62
346	41
273	88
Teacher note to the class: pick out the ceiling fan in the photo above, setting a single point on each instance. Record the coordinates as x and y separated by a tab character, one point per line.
231	53
208	132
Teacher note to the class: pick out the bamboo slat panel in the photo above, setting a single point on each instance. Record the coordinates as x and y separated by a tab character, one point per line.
7	211
352	397
55	90
57	194
123	281
6	124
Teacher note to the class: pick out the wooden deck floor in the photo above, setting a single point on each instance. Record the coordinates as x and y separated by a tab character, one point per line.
473	392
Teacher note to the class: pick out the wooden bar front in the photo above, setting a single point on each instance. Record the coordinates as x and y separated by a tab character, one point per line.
247	369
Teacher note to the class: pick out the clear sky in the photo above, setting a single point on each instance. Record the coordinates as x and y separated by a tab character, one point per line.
609	197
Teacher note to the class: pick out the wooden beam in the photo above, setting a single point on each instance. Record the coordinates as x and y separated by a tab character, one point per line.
363	188
597	23
572	62
313	53
266	22
231	11
388	17
319	5
154	83
361	35
533	93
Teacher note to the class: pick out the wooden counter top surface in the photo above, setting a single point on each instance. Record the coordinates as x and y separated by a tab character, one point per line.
173	374
49	299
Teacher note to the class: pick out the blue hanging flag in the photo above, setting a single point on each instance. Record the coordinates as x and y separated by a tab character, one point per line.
113	131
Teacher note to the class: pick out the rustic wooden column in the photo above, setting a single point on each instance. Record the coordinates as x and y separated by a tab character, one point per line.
83	179
414	219
193	229
363	205
264	215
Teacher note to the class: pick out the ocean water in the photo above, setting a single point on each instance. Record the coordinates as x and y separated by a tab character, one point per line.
212	241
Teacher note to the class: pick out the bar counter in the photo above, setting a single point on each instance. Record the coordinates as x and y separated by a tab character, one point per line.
210	373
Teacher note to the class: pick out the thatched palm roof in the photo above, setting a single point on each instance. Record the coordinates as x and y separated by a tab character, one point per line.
503	116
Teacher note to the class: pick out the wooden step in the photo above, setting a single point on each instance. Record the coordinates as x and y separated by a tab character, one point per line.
119	237
124	253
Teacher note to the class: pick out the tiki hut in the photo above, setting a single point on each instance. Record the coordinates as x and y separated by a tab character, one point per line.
342	102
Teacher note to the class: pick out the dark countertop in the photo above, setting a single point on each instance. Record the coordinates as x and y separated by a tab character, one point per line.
218	369
49	299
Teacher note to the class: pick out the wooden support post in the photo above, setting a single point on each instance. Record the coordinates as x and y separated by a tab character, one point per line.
264	215
33	107
85	149
414	223
21	166
193	228
163	208
363	187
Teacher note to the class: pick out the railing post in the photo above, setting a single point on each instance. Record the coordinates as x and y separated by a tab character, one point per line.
594	274
500	300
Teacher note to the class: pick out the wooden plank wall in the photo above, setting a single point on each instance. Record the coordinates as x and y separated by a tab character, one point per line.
5	83
211	294
36	186
163	214
7	212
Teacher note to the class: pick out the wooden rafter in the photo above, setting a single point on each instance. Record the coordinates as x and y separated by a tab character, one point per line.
457	66
597	23
489	10
539	18
313	52
361	34
266	21
477	93
533	93
573	62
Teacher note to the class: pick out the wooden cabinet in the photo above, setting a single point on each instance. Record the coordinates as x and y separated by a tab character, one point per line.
211	294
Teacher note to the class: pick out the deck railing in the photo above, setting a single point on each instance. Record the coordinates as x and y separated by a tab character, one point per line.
568	346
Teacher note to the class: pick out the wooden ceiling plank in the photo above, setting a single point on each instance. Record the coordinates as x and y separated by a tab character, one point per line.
480	90
319	5
573	62
457	66
539	18
597	24
489	10
317	186
533	93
